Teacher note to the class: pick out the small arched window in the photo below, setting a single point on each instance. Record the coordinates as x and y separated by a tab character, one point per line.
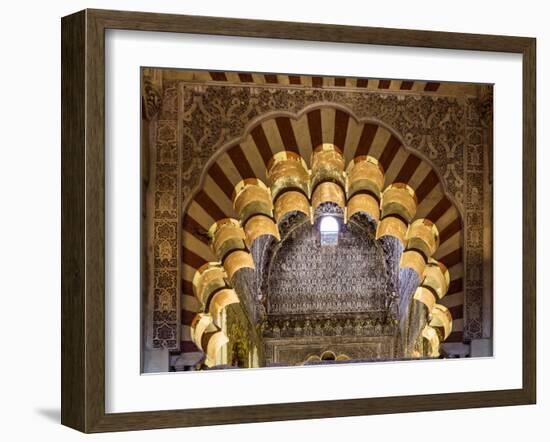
329	228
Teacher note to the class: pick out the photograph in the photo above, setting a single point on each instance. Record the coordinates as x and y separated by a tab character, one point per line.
293	220
275	222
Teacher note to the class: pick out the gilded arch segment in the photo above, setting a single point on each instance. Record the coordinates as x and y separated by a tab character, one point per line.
288	171
436	276
441	319
237	260
227	235
398	207
423	236
434	284
328	192
327	164
212	342
208	279
328	179
364	175
392	226
422	241
425	296
399	199
364	203
200	324
253	203
290	184
436	319
252	197
289	202
326	355
258	225
431	341
364	183
229	242
413	259
210	286
220	300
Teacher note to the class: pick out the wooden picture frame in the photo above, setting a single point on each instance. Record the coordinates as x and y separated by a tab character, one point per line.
83	220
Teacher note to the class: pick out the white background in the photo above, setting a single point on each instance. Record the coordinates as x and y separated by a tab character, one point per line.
30	223
128	391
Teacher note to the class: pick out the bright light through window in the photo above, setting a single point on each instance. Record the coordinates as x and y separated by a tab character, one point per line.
329	229
329	225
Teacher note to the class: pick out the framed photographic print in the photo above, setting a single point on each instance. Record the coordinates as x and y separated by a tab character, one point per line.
271	220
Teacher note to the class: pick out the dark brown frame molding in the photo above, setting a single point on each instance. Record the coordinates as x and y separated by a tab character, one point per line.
83	215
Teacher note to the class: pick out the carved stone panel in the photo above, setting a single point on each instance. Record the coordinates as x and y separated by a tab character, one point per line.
296	351
306	277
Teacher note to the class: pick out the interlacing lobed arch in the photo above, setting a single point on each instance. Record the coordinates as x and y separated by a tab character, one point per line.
250	156
356	190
